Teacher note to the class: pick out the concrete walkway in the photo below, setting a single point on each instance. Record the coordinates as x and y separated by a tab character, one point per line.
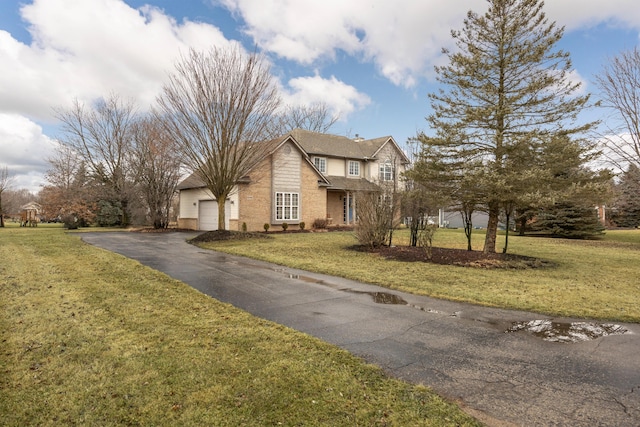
463	352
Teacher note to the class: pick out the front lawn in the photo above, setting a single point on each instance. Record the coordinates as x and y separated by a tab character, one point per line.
592	279
92	338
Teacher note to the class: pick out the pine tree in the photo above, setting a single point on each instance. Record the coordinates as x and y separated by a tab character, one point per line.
627	203
506	93
571	220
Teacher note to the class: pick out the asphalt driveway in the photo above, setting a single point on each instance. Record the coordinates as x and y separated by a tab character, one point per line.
469	354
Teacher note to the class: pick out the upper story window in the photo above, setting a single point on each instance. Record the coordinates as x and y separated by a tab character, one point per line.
387	171
321	164
354	168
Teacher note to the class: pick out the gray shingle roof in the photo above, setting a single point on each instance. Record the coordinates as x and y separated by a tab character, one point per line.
337	146
192	181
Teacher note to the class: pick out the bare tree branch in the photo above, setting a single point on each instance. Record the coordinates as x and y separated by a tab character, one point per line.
157	163
315	117
101	134
619	83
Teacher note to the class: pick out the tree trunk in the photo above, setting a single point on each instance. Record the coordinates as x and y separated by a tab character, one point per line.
414	232
506	236
124	219
467	216
467	232
492	228
523	225
222	199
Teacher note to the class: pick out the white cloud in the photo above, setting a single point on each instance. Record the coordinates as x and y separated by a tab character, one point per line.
86	49
403	38
341	99
575	14
24	149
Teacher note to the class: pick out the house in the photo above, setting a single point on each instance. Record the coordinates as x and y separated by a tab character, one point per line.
306	176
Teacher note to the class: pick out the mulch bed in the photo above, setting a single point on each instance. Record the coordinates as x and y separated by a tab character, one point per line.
460	257
218	235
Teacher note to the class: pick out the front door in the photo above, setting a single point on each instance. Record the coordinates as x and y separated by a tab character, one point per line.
348	208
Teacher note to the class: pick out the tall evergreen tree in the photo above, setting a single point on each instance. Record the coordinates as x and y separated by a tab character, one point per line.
506	93
627	203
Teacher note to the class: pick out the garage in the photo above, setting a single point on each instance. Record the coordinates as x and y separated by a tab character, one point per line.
208	215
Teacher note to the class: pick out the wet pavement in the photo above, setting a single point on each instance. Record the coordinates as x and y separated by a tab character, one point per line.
507	368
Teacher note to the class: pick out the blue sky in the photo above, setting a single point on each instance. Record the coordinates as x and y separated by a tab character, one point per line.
371	61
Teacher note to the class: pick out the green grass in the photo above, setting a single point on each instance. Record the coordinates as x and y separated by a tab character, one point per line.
590	279
92	338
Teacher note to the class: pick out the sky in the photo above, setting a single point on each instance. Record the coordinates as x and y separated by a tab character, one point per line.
370	61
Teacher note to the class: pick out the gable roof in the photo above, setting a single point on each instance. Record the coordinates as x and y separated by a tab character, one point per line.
305	156
314	143
32	206
194	181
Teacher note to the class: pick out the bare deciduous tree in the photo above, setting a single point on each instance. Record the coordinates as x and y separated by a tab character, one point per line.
619	83
5	182
65	165
315	117
68	194
218	106
158	165
101	134
13	200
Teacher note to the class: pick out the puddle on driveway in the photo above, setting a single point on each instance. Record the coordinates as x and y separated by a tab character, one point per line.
378	297
385	298
565	332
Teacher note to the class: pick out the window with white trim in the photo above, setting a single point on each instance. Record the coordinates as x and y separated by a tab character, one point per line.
354	168
386	170
287	206
321	164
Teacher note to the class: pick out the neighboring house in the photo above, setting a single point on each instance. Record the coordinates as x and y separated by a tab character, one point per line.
307	176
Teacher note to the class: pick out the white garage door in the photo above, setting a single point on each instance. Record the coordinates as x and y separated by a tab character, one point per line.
208	215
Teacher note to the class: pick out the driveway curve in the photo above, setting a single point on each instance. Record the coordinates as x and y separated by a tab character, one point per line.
470	354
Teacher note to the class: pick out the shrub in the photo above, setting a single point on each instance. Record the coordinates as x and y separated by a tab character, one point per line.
70	222
375	216
285	226
109	213
425	239
244	227
320	223
302	225
266	227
